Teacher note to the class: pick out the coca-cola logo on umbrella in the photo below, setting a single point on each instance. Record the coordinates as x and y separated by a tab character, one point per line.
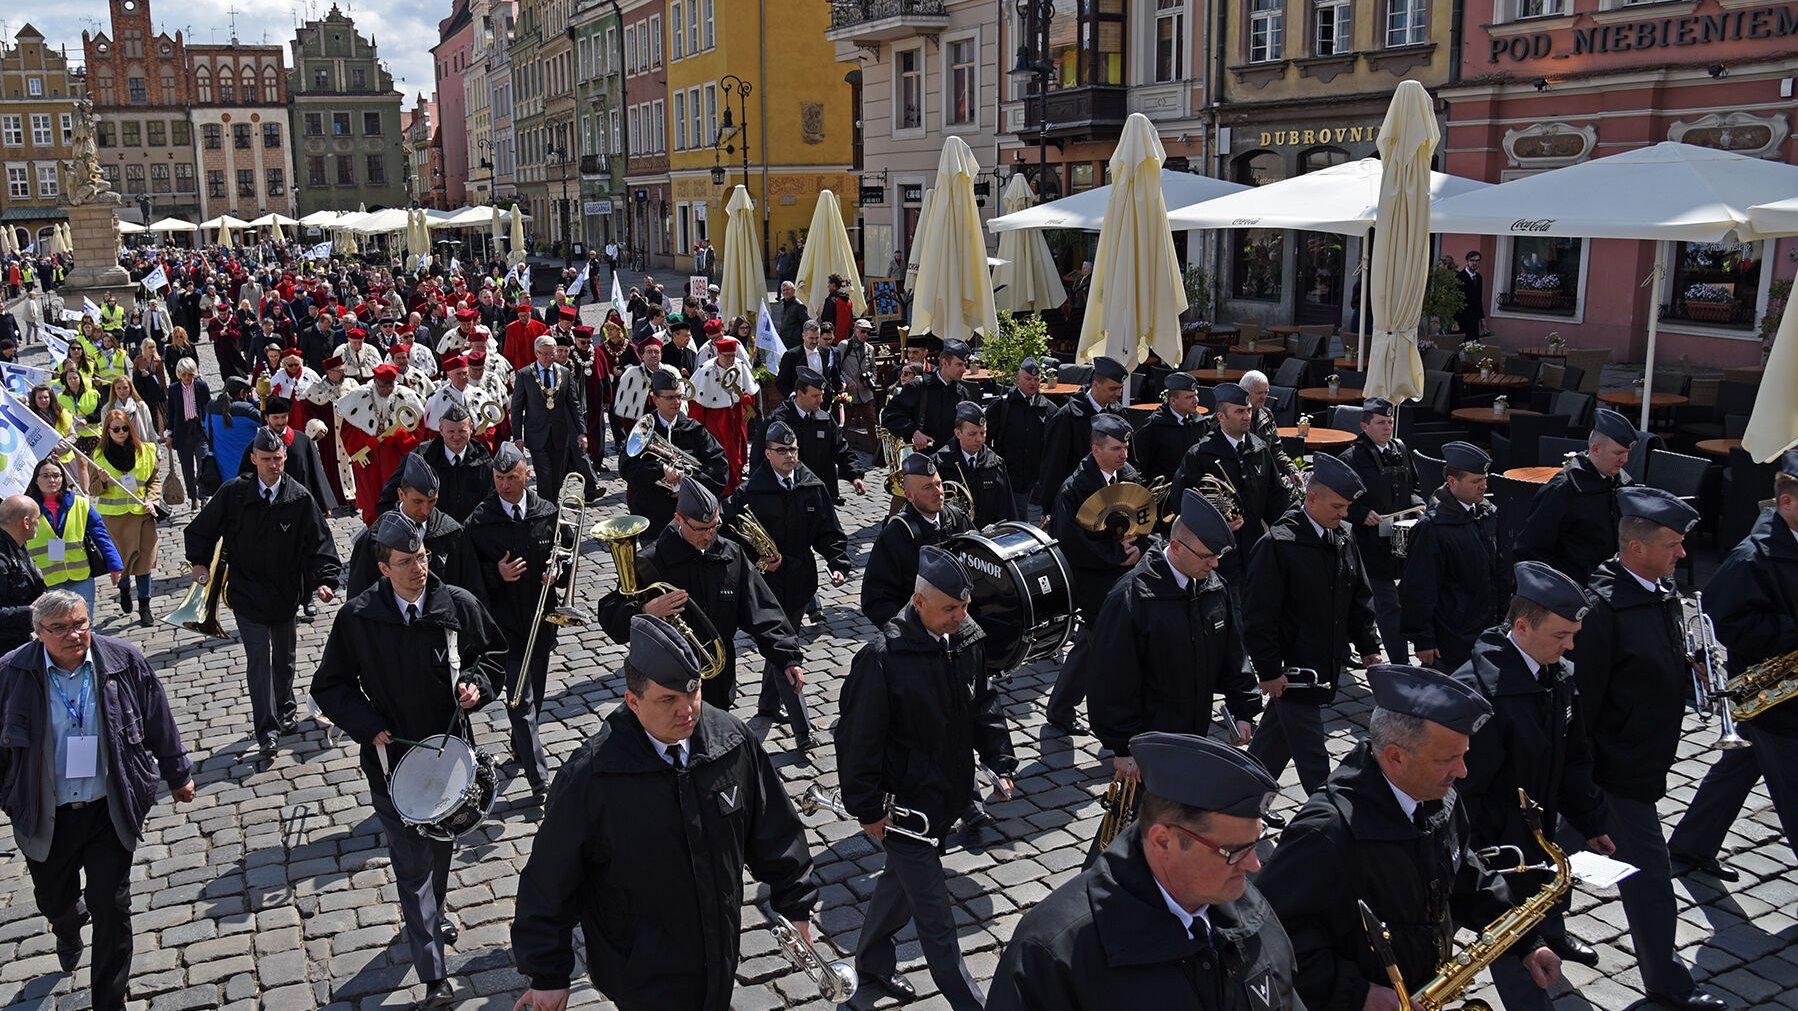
1532	224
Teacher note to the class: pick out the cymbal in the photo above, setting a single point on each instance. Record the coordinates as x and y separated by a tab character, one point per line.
1126	509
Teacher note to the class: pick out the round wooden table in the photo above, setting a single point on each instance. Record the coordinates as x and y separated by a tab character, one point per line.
1545	351
1495	381
1215	335
1348	362
978	375
1149	408
1631	398
1319	436
1534	475
1217	375
1060	389
1343	395
1484	415
1260	348
1718	447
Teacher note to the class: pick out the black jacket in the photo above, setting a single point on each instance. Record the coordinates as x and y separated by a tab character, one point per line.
444	540
1391	487
1630	662
1067	439
641	472
801	520
1573	521
926	403
278	554
1352	841
1160	445
892	571
1106	940
1251	468
1096	559
913	715
304	466
822	446
987	482
1753	598
790	317
1168	652
787	378
1455	584
1014	430
379	673
539	424
1305	601
459	488
20	585
649	862
491	534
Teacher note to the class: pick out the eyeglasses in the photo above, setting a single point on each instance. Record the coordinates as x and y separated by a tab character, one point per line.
1232	857
117	428
66	628
784	450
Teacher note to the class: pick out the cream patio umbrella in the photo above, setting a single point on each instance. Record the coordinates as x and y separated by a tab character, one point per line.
8	244
827	252
1137	292
1028	279
498	231
516	256
953	298
743	288
918	238
1400	268
1773	424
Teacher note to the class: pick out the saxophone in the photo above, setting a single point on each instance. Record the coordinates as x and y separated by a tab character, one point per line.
1458	972
1763	686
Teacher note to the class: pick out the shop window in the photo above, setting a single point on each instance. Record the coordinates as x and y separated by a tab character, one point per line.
1258	255
1715	283
1543	275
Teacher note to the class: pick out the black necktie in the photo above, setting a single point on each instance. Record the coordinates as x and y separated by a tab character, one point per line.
268	495
673	751
518	512
1421	818
411	613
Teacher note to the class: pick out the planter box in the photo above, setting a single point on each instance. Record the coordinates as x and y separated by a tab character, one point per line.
1710	312
1532	299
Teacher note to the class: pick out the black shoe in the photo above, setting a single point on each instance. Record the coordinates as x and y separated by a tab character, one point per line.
539	795
143	614
1273	820
1697	1000
124	597
1070	727
269	746
290	727
1685	863
69	948
1572	949
448	929
975	820
895	985
439	993
310	611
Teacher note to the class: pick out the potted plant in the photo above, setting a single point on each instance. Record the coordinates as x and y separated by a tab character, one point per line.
1536	291
1218	363
1443	298
1020	336
1710	303
1304	426
1555	341
1486	367
1499	403
1334	382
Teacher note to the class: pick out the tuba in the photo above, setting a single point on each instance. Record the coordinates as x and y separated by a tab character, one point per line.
1710	681
1763	686
751	532
564	554
894	450
199	611
620	535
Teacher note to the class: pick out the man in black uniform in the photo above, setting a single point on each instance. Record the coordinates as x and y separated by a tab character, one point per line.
649	480
893	561
1176	884
302	456
713	575
916	707
511	536
405	659
1384	466
442	536
1015	428
922	412
1753	598
1241	461
1536	742
822	448
279	550
968	461
1096	559
1455	581
1306	600
1067	435
464	476
1633	675
795	508
1172	429
648	831
1386	830
1573	521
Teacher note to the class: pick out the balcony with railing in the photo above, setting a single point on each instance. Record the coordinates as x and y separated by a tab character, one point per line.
864	21
1092	111
593	165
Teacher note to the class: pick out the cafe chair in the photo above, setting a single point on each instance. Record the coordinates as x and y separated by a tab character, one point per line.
1591	362
1075	375
1198	357
1233	360
1513	498
1290	373
1429	471
1312	345
1518	443
1439	360
1344	418
1284	402
1352	378
1433	439
1551	451
1745	484
1578	407
1528	368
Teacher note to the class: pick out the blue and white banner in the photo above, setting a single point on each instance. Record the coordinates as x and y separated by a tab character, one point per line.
322	251
89	309
25	439
520	273
767	338
156	279
19	379
56	341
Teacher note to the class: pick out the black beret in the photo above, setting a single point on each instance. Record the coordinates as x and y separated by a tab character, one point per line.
417	475
1030	365
1545	585
1179	381
277	405
781	434
1230	393
940	569
267	440
392	530
1202	773
662	654
1108	368
804	376
1376	405
506	457
1428	694
1615	427
695	501
919	465
1465	456
661	381
1199	516
1663	507
1112	426
970	412
955	349
1337	476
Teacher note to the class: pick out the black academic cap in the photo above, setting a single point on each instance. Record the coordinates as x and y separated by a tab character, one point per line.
1428	694
1202	773
940	569
277	405
1545	585
1663	507
662	654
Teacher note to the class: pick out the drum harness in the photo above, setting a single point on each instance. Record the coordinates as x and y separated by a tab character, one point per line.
457	717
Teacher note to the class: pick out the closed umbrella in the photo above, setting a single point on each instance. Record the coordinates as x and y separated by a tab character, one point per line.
8	245
1028	279
517	255
827	252
498	230
1401	244
743	288
68	237
1137	293
953	298
1773	425
918	238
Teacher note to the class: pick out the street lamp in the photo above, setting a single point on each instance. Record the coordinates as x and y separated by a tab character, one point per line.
559	155
1033	61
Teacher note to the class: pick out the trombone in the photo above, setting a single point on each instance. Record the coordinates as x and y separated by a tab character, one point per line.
818	799
199	611
564	555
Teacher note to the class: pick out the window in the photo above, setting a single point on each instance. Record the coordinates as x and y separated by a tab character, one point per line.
34	86
315	171
167	79
246	183
313	124
1541	9
12	129
134	178
358	79
962	77
139	89
159	178
132	133
692	26
211	136
696	129
658	126
271	135
105	135
321	79
157	132
181	132
1258	255
203	85
240	136
41	134
184	178
1170	40
680	121
18	181
111	174
252	95
655	41
340	124
1267	30
711	112
346	172
707	32
1544	275
227	86
371	124
49	181
613	117
377	170
630	49
908	91
1716	284
1407	22
215	183
677	46
636	134
1335	28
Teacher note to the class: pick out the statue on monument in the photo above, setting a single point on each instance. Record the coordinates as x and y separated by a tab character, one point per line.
90	185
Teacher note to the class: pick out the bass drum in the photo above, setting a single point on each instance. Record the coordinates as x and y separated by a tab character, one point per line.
1023	592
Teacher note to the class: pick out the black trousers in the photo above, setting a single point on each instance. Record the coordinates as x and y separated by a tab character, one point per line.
911	887
1726	787
84	844
1071	684
270	653
1647	895
421	877
1293	732
527	743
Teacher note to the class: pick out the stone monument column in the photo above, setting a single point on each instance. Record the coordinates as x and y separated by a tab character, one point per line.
93	229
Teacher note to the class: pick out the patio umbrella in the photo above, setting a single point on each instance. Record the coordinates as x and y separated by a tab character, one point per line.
1664	193
276	233
1137	292
173	225
1086	210
8	244
1773	424
130	227
1401	244
918	238
1028	279
1779	217
743	288
498	231
953	298
517	255
827	252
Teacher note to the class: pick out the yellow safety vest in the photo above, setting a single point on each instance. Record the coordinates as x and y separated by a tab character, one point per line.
73	567
112	317
110	367
112	500
80	411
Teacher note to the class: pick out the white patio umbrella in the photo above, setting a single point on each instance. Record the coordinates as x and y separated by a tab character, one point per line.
129	227
8	244
224	221
1137	294
53	241
320	219
173	225
918	238
953	297
743	288
1779	217
1027	279
1086	210
1401	244
1664	193
827	252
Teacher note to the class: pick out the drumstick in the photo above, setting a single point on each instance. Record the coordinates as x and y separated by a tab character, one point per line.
1406	512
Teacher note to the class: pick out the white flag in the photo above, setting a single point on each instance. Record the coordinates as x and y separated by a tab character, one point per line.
24	430
580	280
455	265
767	338
156	279
91	310
620	304
56	341
21	378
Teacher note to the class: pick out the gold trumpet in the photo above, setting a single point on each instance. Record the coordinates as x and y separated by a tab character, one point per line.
564	553
199	610
751	532
1120	808
620	535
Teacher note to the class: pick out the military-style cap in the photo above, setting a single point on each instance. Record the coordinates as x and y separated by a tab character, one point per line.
662	654
1230	393
1614	427
1545	585
1376	405
1465	456
277	405
661	381
955	349
267	440
1663	507
395	531
1031	366
940	569
417	475
919	465
1788	462
507	457
695	501
804	376
1337	476
970	412
781	434
1112	426
1199	516
1179	382
1199	772
1108	368
1430	695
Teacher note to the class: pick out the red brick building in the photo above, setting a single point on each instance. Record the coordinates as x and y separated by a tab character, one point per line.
141	91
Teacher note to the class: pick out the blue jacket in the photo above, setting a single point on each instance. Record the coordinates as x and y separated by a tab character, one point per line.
230	436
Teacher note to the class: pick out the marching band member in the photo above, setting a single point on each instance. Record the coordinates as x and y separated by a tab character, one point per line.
416	491
1067	435
321	405
644	843
456	390
893	561
279	551
1096	559
359	357
376	433
1173	428
549	418
1175	883
387	677
1387	831
723	390
1572	523
822	447
916	707
1634	675
1384	466
303	463
967	460
1455	582
1015	427
651	483
1239	459
923	410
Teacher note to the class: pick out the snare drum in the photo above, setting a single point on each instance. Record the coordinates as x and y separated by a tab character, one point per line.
1401	535
443	787
1023	592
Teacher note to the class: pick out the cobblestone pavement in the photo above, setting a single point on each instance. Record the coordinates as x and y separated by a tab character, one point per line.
273	889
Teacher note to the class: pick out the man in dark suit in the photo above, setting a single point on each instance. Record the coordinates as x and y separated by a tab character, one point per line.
812	354
1473	289
549	417
790	316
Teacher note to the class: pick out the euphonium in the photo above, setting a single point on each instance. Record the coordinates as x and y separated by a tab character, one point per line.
1120	808
199	611
620	535
894	449
751	532
1763	686
564	559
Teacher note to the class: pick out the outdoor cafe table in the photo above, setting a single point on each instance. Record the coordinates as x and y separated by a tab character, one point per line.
1259	348
1060	389
1497	380
1319	437
1633	398
1487	416
1140	412
1322	395
1544	351
1534	475
1216	375
1717	447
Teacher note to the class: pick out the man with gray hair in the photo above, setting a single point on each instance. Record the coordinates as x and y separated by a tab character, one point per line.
790	316
20	581
1264	424
95	734
549	417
